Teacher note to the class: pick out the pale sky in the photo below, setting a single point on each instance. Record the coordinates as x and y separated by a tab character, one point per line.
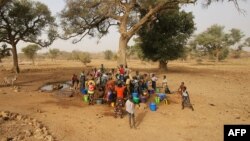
218	13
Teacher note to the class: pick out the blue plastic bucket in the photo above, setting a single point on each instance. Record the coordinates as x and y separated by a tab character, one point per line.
84	91
152	106
134	95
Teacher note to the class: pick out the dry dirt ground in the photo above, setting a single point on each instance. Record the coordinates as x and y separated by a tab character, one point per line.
220	95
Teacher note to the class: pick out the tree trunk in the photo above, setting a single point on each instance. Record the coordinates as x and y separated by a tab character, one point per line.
163	65
15	59
122	60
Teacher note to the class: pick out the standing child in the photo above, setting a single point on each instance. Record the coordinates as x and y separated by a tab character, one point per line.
130	108
154	79
75	81
185	98
165	85
180	89
82	80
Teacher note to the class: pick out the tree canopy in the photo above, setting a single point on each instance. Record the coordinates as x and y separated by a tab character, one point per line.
165	38
28	21
94	18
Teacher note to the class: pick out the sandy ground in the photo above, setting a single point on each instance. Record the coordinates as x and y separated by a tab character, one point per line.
220	95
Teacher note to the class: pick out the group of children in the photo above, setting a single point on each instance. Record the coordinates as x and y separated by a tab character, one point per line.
118	85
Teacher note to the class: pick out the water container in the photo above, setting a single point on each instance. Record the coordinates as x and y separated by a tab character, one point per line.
157	100
152	106
84	91
86	98
136	100
135	95
143	99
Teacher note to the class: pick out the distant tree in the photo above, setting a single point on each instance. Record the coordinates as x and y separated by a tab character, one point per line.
166	37
84	57
196	52
108	54
215	41
247	42
53	53
4	52
30	52
234	39
26	20
75	54
115	57
136	49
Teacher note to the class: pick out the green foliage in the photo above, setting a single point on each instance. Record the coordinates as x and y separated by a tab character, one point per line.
115	57
247	42
234	36
108	54
53	53
165	38
4	52
80	18
26	20
84	57
223	53
30	51
214	41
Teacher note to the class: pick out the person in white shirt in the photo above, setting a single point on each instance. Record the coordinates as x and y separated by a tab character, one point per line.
154	79
165	85
130	108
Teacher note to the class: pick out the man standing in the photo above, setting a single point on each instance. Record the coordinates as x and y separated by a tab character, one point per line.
130	108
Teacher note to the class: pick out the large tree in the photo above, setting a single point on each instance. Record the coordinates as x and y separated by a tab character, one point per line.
165	38
95	17
28	21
